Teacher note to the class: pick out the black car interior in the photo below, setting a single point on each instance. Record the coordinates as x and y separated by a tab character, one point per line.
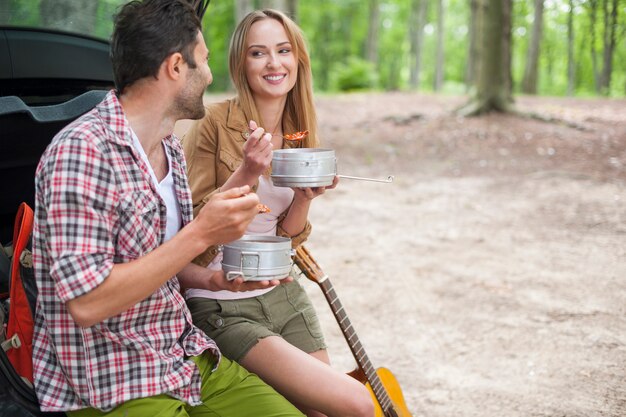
47	79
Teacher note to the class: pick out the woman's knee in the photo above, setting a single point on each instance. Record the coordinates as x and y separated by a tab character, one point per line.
359	403
366	404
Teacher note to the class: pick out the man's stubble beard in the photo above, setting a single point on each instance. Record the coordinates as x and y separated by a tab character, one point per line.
189	104
189	107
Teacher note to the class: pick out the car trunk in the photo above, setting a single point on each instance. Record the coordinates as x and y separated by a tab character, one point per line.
41	75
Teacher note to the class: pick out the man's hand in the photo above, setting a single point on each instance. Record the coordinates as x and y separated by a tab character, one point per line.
226	215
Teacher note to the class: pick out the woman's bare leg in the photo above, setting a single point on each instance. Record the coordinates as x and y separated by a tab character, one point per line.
308	381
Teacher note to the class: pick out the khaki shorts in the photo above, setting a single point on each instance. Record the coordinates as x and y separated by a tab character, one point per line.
237	325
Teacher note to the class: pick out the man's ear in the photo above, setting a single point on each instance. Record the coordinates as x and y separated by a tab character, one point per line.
173	65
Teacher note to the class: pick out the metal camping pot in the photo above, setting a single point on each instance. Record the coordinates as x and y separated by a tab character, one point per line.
309	167
303	167
257	258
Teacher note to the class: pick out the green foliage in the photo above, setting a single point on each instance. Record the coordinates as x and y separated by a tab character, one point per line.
218	26
357	74
20	13
337	31
104	20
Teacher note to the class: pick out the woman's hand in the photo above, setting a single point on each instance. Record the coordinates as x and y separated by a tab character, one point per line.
218	282
307	194
257	151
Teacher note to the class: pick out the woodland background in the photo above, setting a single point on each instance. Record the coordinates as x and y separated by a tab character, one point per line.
555	47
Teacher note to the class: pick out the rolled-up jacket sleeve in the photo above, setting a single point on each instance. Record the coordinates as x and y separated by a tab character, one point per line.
297	239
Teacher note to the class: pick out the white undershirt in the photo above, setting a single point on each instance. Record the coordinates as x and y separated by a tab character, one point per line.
166	191
278	200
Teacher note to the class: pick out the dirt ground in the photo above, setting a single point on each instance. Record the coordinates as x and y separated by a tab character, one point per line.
490	276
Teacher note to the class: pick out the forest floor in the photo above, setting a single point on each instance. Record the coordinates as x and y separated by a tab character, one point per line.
490	276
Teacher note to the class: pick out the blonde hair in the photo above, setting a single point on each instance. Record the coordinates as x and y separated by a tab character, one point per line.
299	113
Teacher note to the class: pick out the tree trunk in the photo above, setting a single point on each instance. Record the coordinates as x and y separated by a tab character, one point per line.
274	4
490	88
292	10
323	74
507	8
571	81
439	69
242	8
419	8
371	48
610	26
470	69
593	13
70	15
529	82
345	32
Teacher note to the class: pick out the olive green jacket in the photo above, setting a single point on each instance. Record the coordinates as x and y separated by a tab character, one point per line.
213	150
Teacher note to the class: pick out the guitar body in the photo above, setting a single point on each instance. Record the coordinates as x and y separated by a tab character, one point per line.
393	390
392	387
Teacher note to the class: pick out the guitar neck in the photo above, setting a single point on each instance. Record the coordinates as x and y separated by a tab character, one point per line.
347	329
312	271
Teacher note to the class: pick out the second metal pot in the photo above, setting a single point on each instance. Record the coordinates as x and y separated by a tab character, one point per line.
258	258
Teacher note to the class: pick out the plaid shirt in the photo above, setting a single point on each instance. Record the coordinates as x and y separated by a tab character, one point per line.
96	206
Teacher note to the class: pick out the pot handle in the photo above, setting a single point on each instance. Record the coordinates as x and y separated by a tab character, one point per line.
388	180
231	275
234	274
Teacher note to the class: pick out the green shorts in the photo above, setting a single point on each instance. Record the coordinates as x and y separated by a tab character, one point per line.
230	390
237	325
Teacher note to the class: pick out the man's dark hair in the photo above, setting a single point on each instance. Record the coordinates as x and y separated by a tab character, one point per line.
146	32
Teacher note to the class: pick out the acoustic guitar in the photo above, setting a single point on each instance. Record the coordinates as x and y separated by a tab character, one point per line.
381	383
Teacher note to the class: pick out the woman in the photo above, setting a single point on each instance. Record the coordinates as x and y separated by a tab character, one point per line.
272	332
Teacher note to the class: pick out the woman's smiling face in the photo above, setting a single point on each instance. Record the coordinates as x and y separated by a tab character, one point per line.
271	65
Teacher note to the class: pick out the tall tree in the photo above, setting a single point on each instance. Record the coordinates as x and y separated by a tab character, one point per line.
491	93
323	35
529	82
439	69
242	8
274	4
507	10
570	50
371	48
592	5
610	30
470	68
417	21
291	8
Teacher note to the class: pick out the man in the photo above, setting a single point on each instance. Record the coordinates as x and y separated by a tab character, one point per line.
114	228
